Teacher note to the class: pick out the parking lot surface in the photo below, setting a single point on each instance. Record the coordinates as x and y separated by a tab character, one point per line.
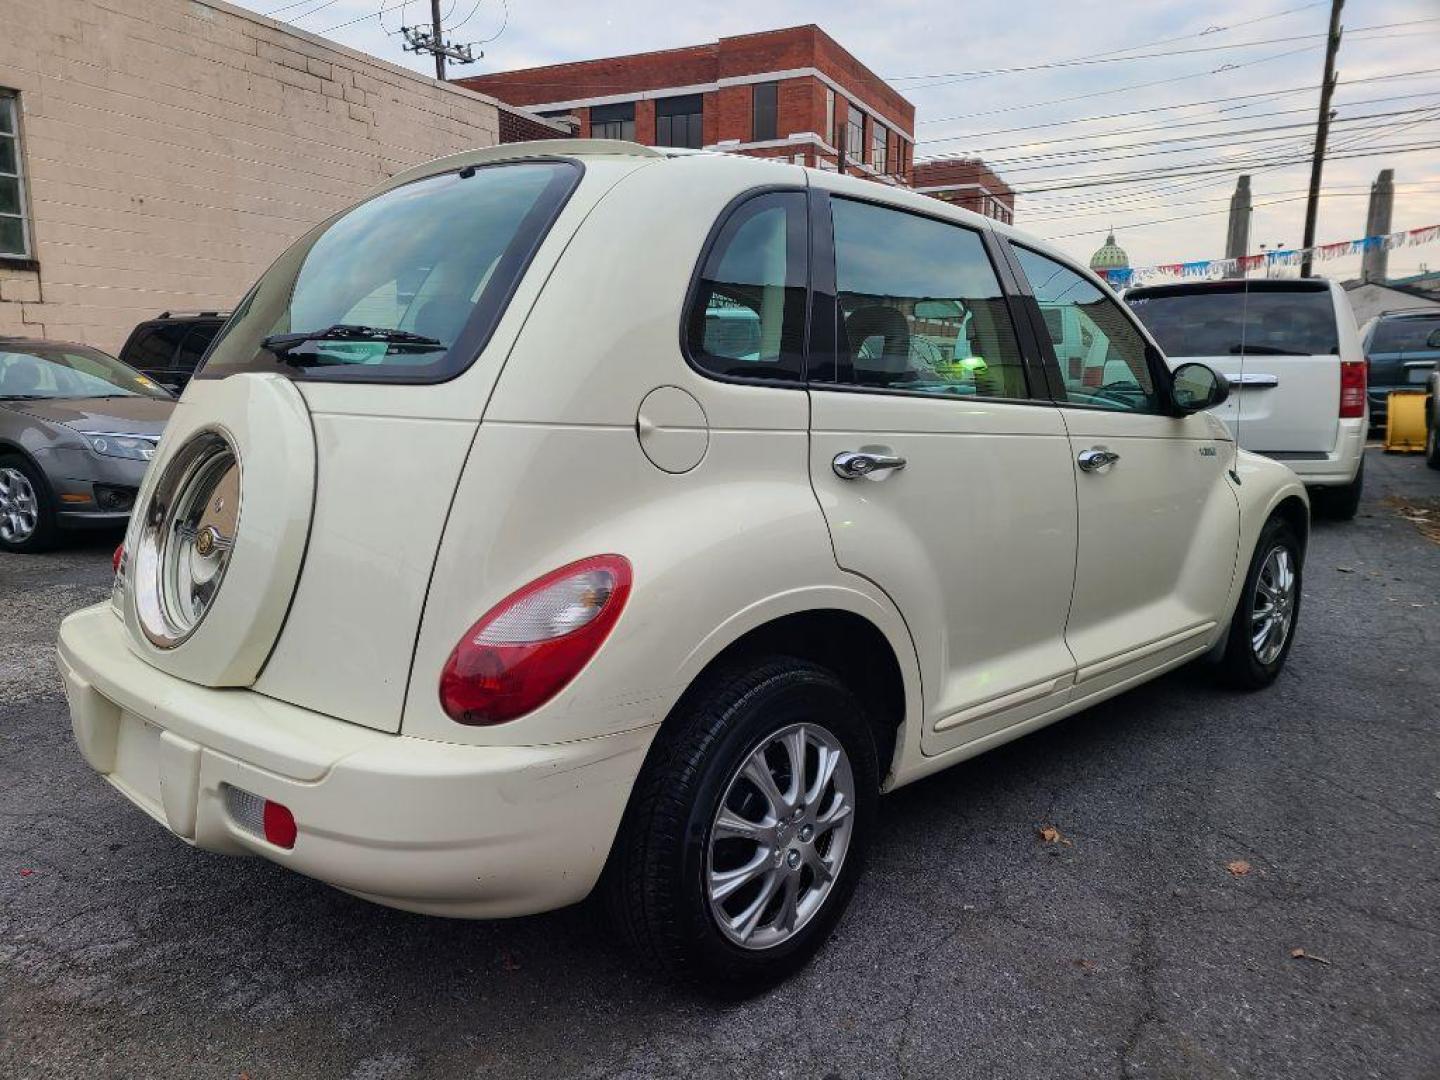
1205	836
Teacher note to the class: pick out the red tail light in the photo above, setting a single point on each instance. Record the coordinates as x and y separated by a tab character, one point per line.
1352	388
115	559
528	647
279	824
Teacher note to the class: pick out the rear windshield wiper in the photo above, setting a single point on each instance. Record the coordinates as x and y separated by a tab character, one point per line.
1265	350
282	344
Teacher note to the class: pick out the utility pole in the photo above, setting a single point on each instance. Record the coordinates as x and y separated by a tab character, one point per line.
1322	132
432	41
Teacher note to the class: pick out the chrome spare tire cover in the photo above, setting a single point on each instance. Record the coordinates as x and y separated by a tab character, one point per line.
215	545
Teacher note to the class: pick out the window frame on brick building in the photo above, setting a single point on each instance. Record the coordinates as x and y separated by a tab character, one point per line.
854	133
830	136
765	111
12	176
613	116
879	139
683	114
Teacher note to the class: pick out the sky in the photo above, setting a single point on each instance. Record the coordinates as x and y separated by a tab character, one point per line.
1085	58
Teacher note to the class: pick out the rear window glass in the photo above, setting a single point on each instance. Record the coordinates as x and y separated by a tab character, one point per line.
407	285
1217	322
1406	335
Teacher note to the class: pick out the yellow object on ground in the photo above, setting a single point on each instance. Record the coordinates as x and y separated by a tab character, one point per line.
1405	425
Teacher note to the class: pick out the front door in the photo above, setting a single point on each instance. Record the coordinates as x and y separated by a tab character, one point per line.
1158	521
961	501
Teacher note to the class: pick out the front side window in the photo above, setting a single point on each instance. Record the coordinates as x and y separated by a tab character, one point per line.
1102	356
68	371
878	134
746	318
920	307
766	97
407	285
14	232
679	121
613	121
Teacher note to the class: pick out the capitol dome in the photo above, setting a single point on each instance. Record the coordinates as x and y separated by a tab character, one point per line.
1109	256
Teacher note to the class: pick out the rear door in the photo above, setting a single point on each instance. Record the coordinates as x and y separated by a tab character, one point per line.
1278	342
961	503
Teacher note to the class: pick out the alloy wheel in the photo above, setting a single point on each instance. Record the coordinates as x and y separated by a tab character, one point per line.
1273	610
780	835
19	507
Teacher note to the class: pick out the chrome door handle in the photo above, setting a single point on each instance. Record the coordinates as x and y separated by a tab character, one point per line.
1091	460
853	464
1253	379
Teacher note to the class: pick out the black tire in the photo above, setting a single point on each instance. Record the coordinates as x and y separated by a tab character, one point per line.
1240	666
1341	503
45	532
1432	443
655	882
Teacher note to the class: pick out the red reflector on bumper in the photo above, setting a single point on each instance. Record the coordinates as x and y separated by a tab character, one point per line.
279	825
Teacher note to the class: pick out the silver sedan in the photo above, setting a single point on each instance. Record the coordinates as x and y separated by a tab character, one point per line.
77	429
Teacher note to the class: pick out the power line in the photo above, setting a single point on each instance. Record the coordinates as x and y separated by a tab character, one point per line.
1102	208
1155	108
1172	125
948	78
1133	176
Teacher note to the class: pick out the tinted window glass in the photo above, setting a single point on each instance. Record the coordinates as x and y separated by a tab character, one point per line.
747	318
765	98
1100	353
1406	335
434	260
920	307
194	345
1214	321
154	347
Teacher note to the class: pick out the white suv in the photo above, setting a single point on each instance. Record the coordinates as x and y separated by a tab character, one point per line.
486	562
1293	356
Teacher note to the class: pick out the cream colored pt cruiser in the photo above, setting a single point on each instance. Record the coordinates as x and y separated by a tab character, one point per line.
578	516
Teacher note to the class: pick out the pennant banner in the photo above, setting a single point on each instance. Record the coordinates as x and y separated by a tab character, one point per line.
1219	268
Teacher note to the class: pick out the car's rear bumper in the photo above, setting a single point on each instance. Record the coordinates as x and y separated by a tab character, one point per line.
1336	468
471	831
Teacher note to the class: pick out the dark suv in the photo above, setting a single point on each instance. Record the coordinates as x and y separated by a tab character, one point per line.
168	347
1401	348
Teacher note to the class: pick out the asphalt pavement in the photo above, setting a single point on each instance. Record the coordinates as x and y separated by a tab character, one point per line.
1205	836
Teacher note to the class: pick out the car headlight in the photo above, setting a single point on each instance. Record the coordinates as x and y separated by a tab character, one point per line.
134	447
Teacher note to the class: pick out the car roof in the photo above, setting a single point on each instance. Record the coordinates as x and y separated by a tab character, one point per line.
15	339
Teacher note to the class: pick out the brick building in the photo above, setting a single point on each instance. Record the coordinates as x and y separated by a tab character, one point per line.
791	93
967	182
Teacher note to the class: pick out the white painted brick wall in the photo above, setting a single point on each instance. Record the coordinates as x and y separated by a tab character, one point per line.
175	147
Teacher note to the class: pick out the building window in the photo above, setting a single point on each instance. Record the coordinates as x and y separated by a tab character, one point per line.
855	134
679	121
879	133
613	121
14	236
830	117
766	96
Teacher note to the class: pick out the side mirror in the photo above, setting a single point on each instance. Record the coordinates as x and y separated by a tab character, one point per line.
1197	386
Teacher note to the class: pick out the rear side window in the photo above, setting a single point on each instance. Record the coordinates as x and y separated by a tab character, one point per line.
920	307
1216	321
194	345
406	286
154	347
746	317
1406	335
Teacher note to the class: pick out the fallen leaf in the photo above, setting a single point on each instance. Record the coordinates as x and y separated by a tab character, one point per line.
1301	954
26	872
1051	835
1239	867
1346	569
